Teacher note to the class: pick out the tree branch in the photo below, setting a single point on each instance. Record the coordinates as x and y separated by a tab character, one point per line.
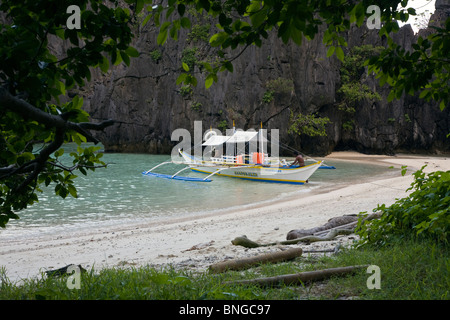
39	162
27	111
70	169
58	122
299	278
84	126
97	126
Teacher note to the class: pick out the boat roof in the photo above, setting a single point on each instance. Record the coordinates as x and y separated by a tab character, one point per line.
216	140
237	137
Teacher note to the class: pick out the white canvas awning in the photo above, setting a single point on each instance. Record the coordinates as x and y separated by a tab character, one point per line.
242	136
237	137
216	140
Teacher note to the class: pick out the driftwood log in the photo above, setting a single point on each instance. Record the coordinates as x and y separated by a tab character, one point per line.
333	233
343	222
239	264
299	278
245	242
323	233
332	223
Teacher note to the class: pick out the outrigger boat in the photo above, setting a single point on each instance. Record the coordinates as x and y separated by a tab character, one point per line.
255	166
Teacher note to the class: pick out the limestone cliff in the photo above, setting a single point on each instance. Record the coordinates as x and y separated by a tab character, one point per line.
149	105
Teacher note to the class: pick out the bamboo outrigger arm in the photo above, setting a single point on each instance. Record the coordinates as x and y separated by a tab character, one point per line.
157	166
180	171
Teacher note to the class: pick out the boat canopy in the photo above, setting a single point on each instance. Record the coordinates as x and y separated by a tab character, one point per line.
237	137
242	136
216	140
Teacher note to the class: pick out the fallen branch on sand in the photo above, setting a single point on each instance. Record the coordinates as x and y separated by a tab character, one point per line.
239	264
246	242
299	278
321	235
333	233
332	223
343	222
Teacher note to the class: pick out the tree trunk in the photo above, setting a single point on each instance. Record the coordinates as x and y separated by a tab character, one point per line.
239	264
300	278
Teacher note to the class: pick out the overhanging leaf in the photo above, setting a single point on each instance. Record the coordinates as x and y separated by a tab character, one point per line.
162	37
132	52
330	51
209	81
340	53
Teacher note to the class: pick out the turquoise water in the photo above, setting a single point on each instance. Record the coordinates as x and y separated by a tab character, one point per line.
120	194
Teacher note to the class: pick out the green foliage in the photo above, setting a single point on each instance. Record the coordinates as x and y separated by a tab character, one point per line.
348	125
186	91
189	61
189	57
27	64
353	65
196	106
391	120
156	55
410	270
352	93
267	97
424	69
424	213
277	87
352	90
199	33
280	85
223	125
309	125
33	78
407	118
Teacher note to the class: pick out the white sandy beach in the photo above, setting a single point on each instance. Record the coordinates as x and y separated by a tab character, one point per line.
173	241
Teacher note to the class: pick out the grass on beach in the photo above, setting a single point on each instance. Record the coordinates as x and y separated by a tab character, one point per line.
409	270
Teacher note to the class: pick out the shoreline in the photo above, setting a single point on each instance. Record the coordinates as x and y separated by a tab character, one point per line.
198	241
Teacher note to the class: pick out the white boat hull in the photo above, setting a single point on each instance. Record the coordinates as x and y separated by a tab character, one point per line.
278	174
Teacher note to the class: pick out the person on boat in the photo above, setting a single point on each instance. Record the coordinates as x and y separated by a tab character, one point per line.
298	161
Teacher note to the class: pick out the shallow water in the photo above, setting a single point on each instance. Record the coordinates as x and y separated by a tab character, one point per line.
120	194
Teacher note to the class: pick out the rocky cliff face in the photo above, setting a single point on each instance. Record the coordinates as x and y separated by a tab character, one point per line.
149	105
